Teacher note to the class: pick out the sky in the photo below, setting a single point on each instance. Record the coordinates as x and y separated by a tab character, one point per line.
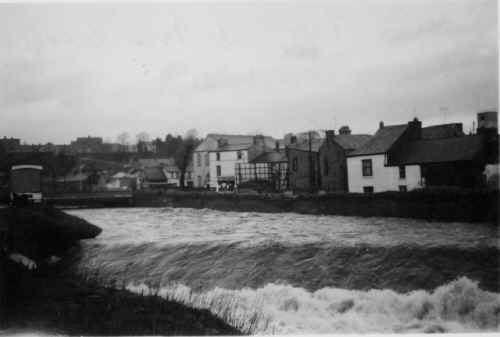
69	70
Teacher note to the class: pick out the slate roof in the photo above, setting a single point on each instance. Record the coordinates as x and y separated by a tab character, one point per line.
304	146
234	142
442	131
382	141
271	157
152	162
351	142
465	148
154	174
73	178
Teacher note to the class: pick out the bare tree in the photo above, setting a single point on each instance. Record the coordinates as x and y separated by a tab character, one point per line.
123	139
191	134
184	153
142	140
143	137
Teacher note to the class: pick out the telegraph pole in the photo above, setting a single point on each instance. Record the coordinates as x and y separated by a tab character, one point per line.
311	175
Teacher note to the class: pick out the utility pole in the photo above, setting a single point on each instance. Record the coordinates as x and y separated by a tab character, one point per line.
311	175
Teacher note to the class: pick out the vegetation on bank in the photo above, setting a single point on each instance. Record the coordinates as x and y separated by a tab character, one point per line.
52	299
55	301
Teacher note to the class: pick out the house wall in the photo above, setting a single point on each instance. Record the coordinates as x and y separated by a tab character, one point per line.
227	162
384	178
202	171
336	177
299	178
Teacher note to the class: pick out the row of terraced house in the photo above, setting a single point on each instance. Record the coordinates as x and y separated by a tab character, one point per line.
399	157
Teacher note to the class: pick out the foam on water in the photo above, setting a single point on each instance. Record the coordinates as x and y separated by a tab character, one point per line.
459	306
289	273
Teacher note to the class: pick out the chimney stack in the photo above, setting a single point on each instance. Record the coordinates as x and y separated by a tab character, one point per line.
415	129
344	130
277	145
330	134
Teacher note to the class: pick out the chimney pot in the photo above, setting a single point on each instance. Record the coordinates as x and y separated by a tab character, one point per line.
381	125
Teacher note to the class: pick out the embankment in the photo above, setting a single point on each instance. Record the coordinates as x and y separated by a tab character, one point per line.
440	204
50	298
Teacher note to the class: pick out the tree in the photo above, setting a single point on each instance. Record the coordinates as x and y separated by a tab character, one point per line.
142	140
184	153
171	145
123	139
157	144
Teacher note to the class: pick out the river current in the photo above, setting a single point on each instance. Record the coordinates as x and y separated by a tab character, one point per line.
292	273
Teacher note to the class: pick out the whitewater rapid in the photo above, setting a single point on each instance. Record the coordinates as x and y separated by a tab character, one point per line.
290	273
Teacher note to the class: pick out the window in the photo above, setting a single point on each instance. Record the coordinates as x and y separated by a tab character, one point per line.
325	166
199	181
239	155
217	156
295	164
198	159
402	172
368	189
367	167
207	159
402	188
218	171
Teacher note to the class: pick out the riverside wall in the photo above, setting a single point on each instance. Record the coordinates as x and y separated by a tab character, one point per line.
442	205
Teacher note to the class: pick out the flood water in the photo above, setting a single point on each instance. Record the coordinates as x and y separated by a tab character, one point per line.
292	273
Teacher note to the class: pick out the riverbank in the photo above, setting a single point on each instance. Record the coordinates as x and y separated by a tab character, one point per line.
40	292
431	204
440	204
52	300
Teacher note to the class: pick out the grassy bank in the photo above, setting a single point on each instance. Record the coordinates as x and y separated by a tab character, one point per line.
52	299
430	204
55	301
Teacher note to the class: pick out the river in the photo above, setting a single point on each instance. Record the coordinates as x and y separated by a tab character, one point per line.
292	273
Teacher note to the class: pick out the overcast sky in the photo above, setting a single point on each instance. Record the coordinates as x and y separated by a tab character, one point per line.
72	70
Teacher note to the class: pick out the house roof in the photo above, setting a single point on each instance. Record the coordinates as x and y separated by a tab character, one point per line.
121	174
155	162
382	141
233	142
464	148
304	145
442	131
271	157
73	178
154	174
351	142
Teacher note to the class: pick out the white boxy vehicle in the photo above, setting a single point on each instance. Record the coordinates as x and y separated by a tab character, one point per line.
25	183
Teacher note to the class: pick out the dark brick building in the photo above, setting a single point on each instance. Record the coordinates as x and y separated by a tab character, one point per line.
332	158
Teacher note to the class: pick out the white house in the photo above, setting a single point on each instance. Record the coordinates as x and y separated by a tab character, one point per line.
214	160
367	167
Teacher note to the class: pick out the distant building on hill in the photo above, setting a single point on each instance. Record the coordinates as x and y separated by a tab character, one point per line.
87	145
10	144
